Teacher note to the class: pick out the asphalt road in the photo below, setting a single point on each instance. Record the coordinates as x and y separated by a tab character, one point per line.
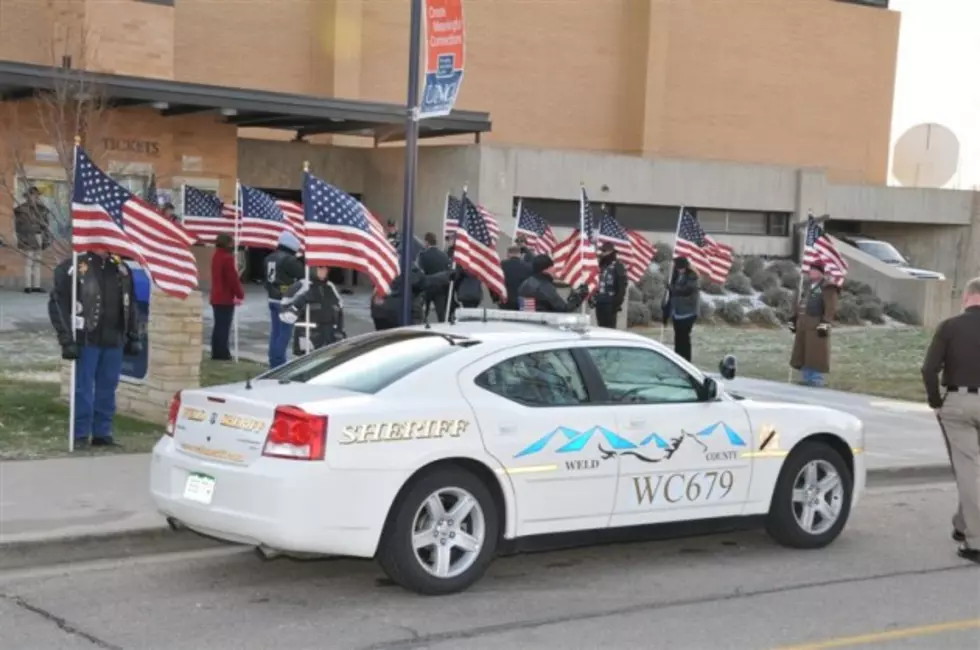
892	581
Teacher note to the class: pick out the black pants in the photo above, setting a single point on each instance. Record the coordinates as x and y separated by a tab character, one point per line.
682	336
223	316
437	301
605	316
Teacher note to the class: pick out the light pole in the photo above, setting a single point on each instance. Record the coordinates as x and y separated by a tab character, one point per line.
411	159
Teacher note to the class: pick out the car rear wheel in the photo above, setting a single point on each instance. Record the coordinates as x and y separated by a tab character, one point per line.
812	499
442	535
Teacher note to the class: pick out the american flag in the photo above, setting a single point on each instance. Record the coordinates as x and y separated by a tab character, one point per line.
475	250
264	219
151	191
706	255
575	258
108	218
643	254
820	248
535	230
454	210
342	233
206	215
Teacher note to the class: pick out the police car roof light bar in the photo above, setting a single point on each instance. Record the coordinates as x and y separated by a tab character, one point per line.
573	322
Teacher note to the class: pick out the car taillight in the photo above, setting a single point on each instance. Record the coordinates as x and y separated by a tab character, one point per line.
296	434
172	416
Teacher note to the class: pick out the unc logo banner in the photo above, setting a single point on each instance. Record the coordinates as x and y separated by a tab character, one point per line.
444	54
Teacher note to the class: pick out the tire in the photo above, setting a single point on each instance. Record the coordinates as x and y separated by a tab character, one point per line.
785	514
407	567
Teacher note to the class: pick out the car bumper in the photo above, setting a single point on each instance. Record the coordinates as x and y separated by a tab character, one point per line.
292	506
860	477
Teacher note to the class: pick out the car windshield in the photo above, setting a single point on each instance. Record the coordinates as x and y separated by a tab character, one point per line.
883	251
369	363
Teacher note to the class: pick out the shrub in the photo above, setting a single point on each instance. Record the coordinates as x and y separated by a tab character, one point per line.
709	287
873	312
656	311
848	311
765	280
791	280
634	294
739	283
652	287
731	312
665	253
706	311
900	313
856	288
736	266
782	268
752	265
764	317
781	301
638	315
748	303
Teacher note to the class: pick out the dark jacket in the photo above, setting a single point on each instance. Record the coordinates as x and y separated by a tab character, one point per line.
386	311
30	223
540	288
433	260
955	350
326	309
468	290
516	271
108	304
527	254
684	294
811	346
282	268
612	282
226	286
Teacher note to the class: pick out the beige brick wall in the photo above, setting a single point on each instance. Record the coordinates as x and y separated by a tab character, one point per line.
130	38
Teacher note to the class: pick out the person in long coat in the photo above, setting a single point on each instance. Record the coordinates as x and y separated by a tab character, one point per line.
812	322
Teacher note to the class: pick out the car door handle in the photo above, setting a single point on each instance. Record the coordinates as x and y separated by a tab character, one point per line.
508	428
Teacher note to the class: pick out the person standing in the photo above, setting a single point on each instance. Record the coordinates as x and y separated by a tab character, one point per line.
170	212
683	301
609	297
538	292
394	238
282	269
468	289
433	261
32	225
516	271
106	328
226	294
526	253
326	307
811	325
955	351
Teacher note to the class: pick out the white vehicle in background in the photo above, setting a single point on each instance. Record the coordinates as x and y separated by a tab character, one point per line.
885	252
431	447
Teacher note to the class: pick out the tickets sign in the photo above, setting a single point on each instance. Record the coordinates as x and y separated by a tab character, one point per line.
444	52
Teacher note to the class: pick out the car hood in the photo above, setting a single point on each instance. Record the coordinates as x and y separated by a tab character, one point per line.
814	413
921	273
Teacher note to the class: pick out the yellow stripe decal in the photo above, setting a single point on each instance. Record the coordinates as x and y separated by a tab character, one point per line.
529	469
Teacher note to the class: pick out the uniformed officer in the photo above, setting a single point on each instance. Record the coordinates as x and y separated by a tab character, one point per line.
516	271
609	297
282	269
433	260
326	308
106	328
386	310
526	253
811	325
538	293
955	350
394	238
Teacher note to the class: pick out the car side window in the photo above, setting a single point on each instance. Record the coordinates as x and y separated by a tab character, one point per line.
547	378
641	376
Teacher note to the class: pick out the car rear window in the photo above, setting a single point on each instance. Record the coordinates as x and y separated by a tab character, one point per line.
369	363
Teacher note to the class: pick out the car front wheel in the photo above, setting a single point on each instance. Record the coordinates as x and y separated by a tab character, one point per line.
812	499
443	534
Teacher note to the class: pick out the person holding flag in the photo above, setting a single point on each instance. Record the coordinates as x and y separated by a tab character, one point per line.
682	304
538	293
93	307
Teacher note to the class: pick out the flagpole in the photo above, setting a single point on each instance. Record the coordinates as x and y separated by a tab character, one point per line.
306	259
670	267
799	289
445	217
237	235
183	203
72	319
452	267
582	233
517	220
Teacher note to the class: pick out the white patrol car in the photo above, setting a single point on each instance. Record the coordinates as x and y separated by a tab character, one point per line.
426	447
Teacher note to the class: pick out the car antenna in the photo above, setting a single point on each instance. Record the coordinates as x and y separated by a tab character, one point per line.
248	381
484	314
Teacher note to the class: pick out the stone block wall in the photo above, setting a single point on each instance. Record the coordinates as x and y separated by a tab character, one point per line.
174	331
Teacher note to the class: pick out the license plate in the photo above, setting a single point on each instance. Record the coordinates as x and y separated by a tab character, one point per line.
199	488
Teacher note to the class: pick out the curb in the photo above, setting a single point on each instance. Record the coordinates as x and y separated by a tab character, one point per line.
89	548
153	541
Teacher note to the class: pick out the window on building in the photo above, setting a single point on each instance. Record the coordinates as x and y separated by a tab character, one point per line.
742	222
657	218
556	213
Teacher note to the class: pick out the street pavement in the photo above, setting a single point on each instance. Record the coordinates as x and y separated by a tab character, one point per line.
891	581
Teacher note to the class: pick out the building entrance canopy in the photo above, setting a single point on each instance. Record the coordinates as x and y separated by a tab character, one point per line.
303	114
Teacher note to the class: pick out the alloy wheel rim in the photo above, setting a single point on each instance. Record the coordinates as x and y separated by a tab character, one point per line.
818	497
448	532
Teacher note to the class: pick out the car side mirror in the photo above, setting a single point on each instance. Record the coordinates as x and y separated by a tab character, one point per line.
728	368
710	389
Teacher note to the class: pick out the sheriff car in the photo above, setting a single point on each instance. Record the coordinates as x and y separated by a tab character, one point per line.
429	447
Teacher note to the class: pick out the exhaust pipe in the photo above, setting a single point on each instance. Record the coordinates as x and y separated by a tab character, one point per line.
175	525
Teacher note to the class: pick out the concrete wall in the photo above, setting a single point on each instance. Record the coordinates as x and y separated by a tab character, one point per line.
899	205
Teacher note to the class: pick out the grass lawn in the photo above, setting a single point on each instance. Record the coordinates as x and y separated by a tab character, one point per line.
34	422
882	361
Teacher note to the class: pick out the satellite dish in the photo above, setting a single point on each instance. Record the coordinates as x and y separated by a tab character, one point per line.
927	155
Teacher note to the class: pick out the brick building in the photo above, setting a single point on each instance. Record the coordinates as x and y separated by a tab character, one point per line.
620	94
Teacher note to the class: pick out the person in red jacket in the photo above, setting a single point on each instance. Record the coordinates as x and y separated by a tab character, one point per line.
226	294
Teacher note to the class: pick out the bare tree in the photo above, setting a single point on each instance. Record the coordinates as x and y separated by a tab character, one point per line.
65	106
